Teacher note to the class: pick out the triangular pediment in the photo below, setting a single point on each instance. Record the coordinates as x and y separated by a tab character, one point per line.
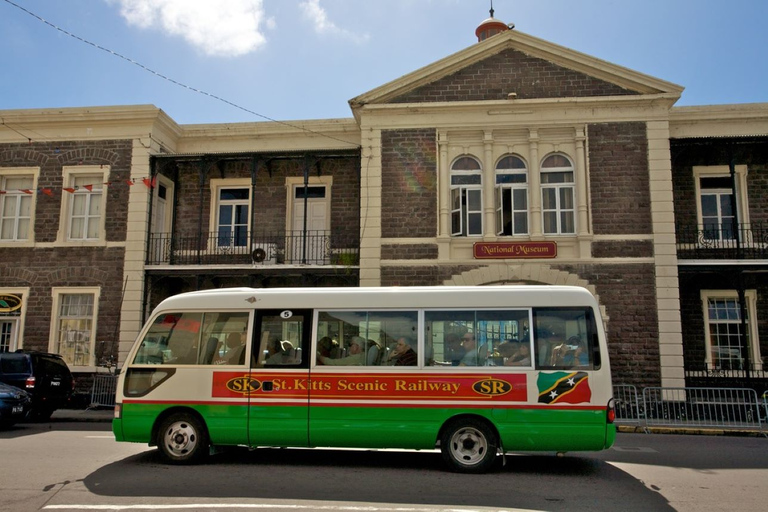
514	63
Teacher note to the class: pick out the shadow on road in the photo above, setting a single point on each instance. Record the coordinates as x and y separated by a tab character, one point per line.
536	482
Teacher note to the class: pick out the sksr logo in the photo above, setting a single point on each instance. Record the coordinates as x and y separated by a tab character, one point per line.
492	387
243	385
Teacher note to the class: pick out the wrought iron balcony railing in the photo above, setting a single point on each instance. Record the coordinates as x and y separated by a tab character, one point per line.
723	241
263	248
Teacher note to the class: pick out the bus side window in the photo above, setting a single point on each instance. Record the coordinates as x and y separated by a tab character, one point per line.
473	337
280	340
565	338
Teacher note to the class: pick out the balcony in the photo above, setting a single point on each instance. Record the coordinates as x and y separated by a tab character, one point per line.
257	249
723	242
754	376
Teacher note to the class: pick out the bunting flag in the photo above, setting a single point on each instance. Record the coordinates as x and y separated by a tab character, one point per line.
149	182
564	387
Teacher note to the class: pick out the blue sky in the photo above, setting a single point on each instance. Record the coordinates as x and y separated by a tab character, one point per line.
304	59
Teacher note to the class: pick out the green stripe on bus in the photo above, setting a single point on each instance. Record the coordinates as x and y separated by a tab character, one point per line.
523	429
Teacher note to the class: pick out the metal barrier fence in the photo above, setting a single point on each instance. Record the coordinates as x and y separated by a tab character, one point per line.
727	408
103	391
721	408
629	408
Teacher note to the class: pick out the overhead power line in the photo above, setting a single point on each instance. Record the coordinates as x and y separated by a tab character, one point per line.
171	80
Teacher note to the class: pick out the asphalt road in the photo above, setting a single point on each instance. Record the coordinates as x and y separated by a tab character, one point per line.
78	466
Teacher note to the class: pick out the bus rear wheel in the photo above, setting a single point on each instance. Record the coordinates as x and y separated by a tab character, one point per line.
469	446
182	439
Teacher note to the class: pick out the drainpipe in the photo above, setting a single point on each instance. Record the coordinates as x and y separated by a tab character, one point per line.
306	201
254	170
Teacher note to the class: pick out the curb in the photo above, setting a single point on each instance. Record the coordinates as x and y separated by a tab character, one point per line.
83	415
636	429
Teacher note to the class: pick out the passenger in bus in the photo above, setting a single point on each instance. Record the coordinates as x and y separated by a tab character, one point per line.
577	354
506	351
521	358
232	343
547	341
403	355
472	352
326	346
565	354
454	350
356	355
286	354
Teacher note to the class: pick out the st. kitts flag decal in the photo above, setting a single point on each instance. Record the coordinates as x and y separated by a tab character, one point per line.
563	387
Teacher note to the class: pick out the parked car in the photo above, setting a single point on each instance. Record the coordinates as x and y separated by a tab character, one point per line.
44	376
14	405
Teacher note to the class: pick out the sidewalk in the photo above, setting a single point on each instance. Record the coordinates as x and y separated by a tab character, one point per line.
86	415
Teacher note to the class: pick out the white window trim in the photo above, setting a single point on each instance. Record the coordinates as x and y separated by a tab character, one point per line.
557	187
464	215
291	183
22	318
750	296
723	171
213	223
35	173
68	174
512	186
170	191
56	293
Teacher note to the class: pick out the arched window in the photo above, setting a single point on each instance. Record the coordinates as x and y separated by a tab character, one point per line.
511	196
466	197
557	204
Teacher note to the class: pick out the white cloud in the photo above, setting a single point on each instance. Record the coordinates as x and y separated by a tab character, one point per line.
317	15
228	28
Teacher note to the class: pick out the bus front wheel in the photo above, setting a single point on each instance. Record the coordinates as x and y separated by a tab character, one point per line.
469	446
182	439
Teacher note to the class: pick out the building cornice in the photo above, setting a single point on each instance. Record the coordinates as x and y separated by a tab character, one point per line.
85	123
733	120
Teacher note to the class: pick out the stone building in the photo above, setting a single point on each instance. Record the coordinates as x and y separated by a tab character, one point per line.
514	161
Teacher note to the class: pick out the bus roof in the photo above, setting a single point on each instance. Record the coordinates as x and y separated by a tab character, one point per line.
381	297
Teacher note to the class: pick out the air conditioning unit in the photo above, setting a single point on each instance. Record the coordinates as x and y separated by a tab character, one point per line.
264	253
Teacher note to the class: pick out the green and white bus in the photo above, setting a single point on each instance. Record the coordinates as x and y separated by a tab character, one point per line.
473	371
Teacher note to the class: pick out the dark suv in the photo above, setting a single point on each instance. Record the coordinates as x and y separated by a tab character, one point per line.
44	376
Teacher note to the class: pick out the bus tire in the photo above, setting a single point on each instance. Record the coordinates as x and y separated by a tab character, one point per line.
469	446
182	439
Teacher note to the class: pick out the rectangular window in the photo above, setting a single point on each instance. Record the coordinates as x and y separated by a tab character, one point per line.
195	338
85	208
367	338
726	347
557	205
478	338
717	211
6	335
566	338
466	212
721	202
75	327
16	208
512	207
232	223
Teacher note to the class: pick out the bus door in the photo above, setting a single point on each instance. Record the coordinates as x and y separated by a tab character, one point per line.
278	408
